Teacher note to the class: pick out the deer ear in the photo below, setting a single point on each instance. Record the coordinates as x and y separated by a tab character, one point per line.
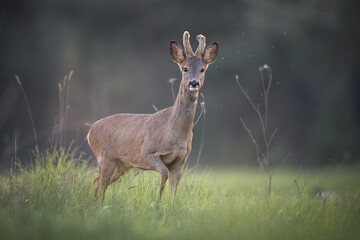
211	53
176	52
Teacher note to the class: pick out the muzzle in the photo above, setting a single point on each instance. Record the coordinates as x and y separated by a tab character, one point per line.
194	85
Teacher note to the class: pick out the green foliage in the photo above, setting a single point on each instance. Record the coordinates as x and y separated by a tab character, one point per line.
53	200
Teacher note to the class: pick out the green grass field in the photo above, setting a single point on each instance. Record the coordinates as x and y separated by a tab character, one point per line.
54	201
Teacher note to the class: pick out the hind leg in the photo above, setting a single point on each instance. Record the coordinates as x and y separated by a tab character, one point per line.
115	170
119	171
106	171
95	186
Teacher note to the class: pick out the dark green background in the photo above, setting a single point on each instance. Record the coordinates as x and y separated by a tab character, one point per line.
119	51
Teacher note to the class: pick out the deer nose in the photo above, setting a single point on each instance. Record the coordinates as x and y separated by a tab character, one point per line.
193	83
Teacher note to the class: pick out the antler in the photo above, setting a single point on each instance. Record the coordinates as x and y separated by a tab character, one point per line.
202	43
188	50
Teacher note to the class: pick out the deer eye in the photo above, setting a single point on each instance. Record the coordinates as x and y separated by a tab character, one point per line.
185	69
202	70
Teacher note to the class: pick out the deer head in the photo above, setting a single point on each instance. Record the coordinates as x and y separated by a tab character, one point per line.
193	65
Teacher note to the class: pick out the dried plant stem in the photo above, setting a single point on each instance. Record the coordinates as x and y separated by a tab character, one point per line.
203	110
53	139
155	108
297	187
15	151
262	153
60	114
171	81
67	106
64	91
202	139
13	162
29	111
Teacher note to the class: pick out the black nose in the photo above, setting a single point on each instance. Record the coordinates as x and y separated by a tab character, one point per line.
193	83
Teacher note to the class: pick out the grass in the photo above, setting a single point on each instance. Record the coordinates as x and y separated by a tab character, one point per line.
53	200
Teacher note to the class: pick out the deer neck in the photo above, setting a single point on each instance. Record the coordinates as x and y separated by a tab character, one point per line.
183	111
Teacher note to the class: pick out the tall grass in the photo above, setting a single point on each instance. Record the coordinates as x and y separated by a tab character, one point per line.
52	199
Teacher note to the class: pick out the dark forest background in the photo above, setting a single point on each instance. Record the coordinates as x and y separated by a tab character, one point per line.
119	52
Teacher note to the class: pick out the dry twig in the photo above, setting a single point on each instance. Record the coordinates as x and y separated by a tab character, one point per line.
171	81
262	153
202	140
64	91
29	111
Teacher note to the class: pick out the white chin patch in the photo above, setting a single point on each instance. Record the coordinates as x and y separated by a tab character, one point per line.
194	89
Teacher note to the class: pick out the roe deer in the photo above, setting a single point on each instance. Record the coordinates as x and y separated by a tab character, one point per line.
160	141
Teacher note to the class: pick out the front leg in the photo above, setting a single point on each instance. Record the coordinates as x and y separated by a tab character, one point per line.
175	176
155	163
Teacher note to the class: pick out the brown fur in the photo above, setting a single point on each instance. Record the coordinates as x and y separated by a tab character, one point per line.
159	141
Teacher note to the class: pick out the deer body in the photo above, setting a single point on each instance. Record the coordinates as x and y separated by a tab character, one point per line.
160	141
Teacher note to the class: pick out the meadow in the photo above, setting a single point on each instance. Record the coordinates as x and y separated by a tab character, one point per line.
52	199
